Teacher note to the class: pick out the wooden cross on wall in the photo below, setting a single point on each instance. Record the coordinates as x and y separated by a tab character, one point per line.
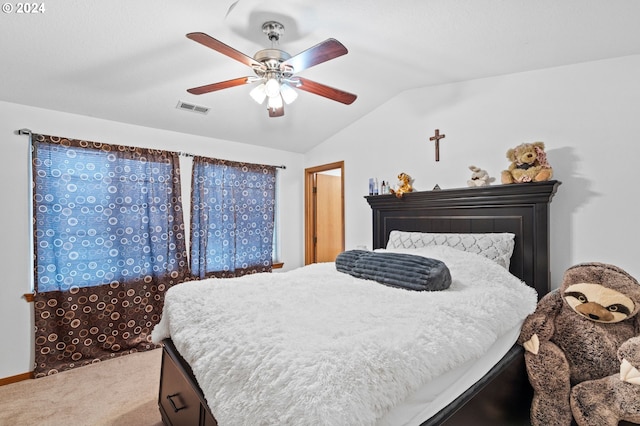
437	138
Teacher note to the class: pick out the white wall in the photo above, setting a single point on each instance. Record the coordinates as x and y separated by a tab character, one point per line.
16	315
587	115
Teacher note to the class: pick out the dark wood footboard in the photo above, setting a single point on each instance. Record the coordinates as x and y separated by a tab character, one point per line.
502	397
181	401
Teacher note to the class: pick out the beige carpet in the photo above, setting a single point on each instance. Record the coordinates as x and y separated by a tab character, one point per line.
121	391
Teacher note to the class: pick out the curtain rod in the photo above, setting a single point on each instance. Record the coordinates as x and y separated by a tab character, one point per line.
186	154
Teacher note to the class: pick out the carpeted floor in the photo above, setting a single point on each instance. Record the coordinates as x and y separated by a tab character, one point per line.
121	391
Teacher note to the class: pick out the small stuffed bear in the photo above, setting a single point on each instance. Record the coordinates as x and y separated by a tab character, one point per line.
404	185
575	336
479	177
528	164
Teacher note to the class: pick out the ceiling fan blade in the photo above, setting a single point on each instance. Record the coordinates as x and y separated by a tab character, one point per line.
276	112
219	86
321	52
207	40
326	91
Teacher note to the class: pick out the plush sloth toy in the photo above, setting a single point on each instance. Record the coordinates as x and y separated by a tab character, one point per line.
582	349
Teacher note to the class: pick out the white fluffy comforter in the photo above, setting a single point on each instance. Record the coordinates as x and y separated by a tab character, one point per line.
314	346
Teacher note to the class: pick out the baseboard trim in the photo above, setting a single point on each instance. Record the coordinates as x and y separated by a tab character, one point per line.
16	378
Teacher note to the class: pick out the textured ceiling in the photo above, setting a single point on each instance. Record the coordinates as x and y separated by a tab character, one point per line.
130	61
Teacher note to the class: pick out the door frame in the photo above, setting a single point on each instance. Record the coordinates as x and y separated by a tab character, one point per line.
309	208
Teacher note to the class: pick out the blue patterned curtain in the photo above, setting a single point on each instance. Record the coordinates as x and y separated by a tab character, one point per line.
232	218
109	242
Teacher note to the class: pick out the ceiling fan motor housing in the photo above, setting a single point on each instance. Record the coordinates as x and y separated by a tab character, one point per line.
271	59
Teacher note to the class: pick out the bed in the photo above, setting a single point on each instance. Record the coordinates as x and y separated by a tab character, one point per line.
488	385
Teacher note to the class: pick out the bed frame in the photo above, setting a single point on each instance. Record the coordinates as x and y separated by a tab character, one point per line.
503	396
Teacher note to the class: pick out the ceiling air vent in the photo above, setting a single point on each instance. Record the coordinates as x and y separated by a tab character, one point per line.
192	107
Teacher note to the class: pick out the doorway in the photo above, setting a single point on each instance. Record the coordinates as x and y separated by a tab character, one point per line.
324	212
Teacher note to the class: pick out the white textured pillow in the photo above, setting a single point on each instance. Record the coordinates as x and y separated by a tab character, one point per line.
495	246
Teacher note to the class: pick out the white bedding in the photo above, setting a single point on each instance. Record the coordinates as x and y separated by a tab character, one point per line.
315	346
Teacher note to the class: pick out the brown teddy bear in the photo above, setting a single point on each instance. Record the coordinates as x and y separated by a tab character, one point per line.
574	336
528	164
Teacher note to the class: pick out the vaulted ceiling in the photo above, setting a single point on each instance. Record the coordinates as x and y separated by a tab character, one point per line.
130	61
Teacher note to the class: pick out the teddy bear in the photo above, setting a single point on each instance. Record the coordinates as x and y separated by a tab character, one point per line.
528	164
404	185
479	177
574	338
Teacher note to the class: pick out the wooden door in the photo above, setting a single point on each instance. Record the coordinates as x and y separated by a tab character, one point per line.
324	212
328	217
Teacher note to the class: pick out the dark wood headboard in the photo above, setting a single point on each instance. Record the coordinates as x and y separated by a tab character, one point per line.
522	209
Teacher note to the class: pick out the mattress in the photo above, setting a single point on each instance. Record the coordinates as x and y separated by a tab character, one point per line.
432	397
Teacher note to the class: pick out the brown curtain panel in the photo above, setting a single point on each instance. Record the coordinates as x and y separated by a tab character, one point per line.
108	243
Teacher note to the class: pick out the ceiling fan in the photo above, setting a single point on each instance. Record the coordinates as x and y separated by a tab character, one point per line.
276	70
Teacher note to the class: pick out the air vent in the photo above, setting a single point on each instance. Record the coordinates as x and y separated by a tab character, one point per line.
192	107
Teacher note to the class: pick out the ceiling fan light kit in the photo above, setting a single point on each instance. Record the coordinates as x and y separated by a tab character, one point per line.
274	69
272	87
288	94
258	93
